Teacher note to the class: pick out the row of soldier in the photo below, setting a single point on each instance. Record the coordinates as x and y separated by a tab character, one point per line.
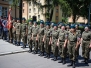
63	40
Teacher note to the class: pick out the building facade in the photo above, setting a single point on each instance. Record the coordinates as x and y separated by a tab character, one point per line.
4	7
30	10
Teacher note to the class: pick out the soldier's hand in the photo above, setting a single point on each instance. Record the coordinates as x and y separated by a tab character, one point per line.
57	44
36	39
76	48
90	46
64	45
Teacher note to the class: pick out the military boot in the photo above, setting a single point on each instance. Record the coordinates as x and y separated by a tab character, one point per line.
64	62
55	58
86	61
73	64
61	61
42	54
48	56
70	64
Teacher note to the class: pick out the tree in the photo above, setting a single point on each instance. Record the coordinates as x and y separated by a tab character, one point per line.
15	5
78	8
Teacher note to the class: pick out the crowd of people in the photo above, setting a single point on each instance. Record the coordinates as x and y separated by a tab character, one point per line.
49	38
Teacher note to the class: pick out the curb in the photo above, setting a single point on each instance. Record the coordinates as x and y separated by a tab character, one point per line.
13	53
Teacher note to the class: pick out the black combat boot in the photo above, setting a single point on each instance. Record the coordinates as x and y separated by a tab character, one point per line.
55	58
61	61
42	54
86	61
70	64
30	50
73	64
48	56
64	62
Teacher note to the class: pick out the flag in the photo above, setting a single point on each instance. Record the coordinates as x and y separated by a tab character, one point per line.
9	19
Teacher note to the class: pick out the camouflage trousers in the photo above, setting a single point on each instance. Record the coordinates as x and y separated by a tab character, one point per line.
47	46
55	47
72	51
62	50
85	49
14	36
24	39
18	38
29	42
35	44
41	44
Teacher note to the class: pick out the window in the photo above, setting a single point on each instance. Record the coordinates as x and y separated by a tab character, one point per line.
29	3
4	11
56	10
29	10
4	0
56	17
34	10
23	4
0	10
29	16
38	16
23	10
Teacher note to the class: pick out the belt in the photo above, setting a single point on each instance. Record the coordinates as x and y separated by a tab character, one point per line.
72	41
34	35
61	40
86	39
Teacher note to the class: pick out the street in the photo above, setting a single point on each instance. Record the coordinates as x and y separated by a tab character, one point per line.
20	58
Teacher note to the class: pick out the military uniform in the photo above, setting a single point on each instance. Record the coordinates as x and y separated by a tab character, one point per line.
18	33
62	36
30	37
55	34
14	32
79	35
86	40
24	34
72	44
34	36
41	43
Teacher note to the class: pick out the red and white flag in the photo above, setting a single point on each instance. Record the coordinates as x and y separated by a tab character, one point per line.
9	19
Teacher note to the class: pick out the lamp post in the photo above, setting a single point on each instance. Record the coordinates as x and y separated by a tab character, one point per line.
89	13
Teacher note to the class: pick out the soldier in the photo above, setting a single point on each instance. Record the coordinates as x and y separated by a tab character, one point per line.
72	45
54	39
40	38
18	32
79	34
35	37
46	40
86	44
30	26
59	26
61	41
24	31
14	31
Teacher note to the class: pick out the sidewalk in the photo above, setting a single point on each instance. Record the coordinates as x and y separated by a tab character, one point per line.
8	48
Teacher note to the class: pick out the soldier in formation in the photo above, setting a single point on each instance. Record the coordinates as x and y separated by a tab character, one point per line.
60	40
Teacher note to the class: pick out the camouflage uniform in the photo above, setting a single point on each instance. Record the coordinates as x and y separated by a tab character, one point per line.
24	34
30	37
62	36
86	40
34	35
41	43
18	33
55	35
14	32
